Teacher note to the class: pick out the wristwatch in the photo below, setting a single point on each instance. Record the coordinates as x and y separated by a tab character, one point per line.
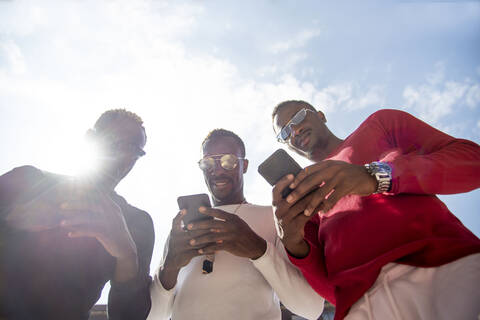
383	173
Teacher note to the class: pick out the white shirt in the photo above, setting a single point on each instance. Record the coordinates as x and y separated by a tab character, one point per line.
239	288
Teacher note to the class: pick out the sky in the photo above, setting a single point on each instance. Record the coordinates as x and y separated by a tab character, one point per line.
187	67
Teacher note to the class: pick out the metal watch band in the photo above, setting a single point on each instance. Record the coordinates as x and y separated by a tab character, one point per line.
382	173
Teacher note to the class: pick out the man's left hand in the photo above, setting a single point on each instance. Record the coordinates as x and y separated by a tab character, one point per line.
333	180
101	218
230	233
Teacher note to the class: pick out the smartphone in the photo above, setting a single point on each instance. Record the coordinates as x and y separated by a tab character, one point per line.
278	165
191	203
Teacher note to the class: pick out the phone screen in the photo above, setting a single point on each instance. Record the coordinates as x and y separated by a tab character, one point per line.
191	203
278	165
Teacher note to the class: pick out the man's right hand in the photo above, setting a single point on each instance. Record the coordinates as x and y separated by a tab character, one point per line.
180	251
290	219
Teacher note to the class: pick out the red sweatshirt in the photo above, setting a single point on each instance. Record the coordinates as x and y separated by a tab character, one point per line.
356	238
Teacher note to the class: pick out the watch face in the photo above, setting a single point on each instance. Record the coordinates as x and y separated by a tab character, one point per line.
382	167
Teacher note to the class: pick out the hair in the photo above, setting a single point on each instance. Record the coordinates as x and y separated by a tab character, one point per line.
117	116
287	103
219	133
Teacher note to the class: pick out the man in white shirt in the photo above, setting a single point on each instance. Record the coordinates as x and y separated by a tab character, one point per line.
251	271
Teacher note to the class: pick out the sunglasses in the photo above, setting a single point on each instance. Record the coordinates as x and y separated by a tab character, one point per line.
287	130
126	148
227	162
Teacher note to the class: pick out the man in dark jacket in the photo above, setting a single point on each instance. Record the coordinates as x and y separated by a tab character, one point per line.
63	238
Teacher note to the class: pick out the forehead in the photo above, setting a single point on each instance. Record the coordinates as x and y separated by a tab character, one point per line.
285	114
221	145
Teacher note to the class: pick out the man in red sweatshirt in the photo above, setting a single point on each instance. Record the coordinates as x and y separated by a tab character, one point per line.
363	223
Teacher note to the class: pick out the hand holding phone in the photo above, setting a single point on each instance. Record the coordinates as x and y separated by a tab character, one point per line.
278	165
191	203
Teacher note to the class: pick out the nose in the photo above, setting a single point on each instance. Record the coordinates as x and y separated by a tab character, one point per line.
296	129
218	169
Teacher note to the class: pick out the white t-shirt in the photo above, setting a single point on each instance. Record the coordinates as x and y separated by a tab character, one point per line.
239	288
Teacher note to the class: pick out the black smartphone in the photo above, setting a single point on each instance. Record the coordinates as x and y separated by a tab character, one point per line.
191	203
278	165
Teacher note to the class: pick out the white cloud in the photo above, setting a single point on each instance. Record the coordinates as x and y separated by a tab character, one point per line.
297	41
349	97
11	58
438	98
472	97
438	75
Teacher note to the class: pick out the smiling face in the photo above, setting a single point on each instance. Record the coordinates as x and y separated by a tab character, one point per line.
225	186
309	137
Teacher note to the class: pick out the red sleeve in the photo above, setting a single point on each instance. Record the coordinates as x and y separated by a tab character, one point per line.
426	160
313	265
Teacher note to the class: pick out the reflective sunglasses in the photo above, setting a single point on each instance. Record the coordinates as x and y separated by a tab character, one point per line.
287	130
227	161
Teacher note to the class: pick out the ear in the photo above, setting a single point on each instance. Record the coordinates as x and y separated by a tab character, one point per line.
245	165
322	116
90	134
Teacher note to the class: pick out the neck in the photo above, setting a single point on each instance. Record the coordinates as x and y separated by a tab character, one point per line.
319	153
237	199
102	182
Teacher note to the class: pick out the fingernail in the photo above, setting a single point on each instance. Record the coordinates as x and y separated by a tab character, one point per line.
219	241
202	209
190	226
292	185
307	212
289	199
290	176
200	250
192	242
63	222
183	211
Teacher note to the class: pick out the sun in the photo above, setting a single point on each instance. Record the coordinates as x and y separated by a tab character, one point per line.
78	156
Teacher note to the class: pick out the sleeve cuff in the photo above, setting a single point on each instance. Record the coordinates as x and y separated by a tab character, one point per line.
266	258
158	289
307	262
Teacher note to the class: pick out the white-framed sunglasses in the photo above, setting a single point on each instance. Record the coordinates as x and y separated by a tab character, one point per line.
287	130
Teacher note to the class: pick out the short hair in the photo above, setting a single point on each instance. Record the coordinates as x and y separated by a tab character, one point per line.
220	133
287	103
116	116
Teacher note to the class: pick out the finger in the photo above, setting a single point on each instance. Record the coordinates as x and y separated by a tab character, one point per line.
209	239
83	233
279	187
333	198
183	239
217	225
296	209
308	171
78	220
311	182
297	225
177	221
211	249
319	196
216	213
